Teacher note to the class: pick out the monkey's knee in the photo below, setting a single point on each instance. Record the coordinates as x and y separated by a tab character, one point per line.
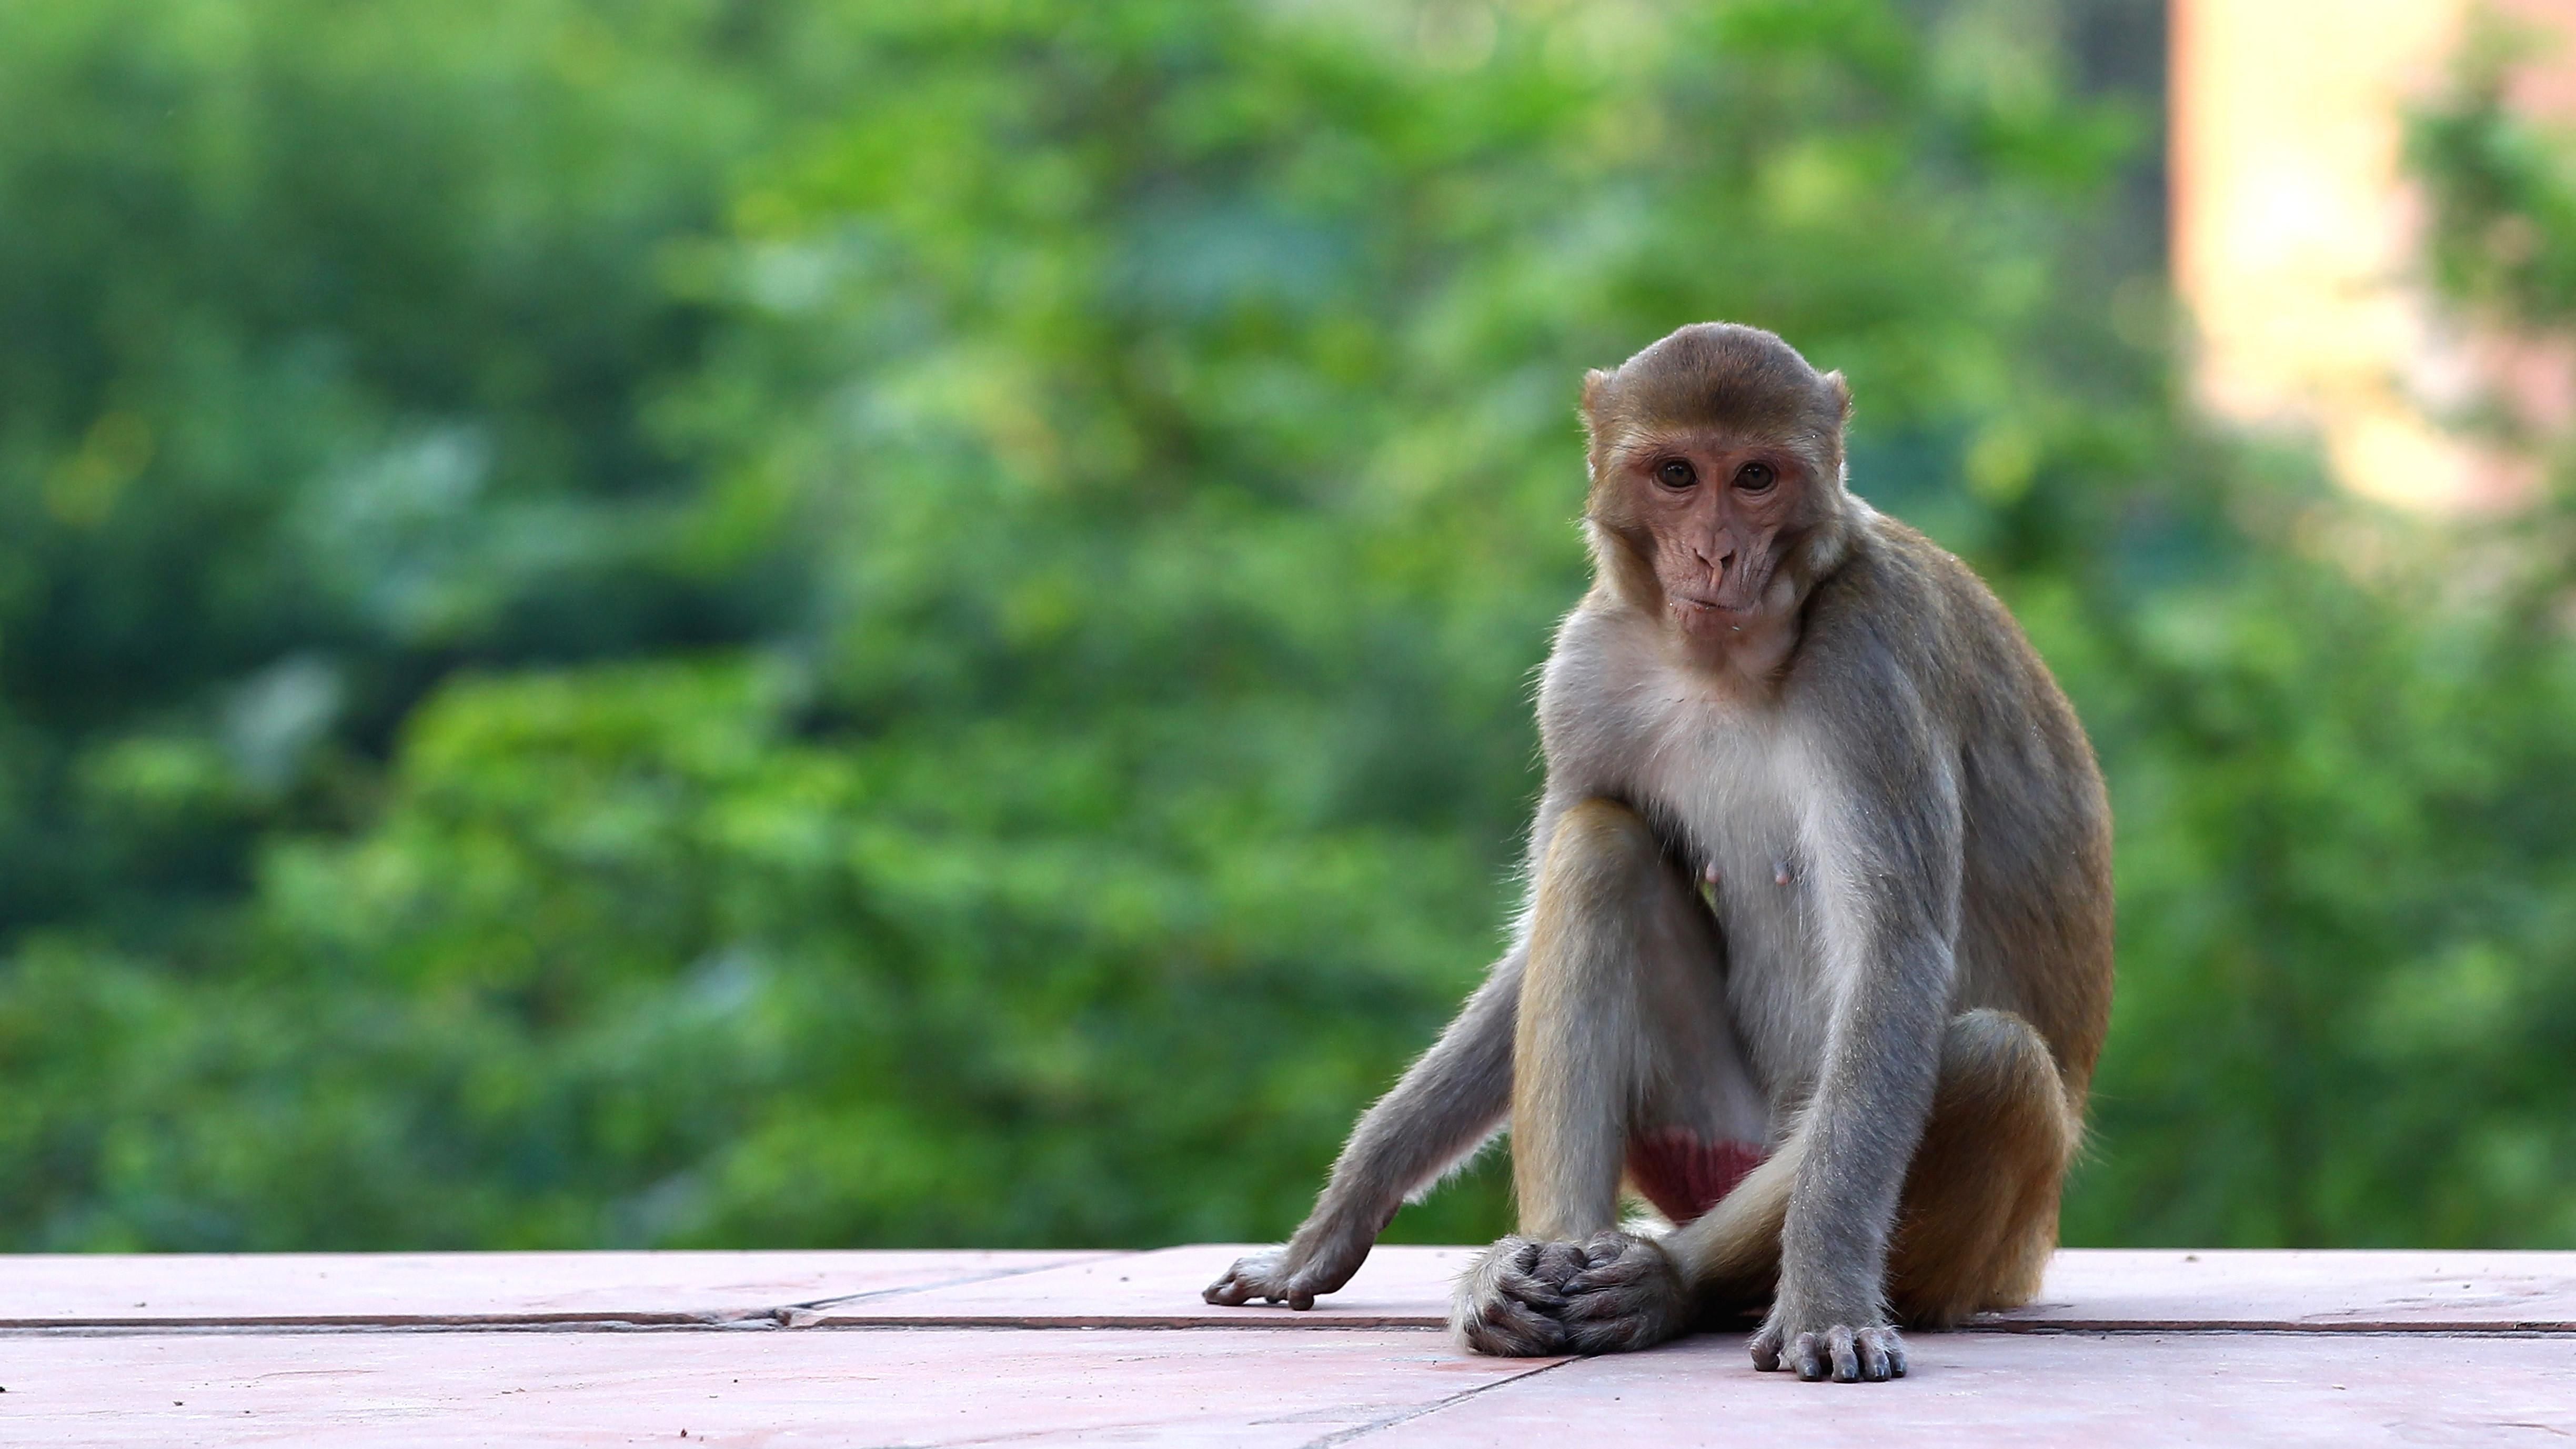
1980	1202
1997	1070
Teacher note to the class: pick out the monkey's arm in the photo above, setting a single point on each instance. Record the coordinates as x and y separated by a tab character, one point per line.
1445	1107
1889	899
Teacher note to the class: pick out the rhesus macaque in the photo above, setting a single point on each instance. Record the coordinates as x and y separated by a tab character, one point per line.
1816	954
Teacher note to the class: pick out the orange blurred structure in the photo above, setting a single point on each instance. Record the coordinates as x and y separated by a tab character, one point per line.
2294	237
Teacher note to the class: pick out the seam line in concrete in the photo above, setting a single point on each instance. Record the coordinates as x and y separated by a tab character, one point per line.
765	1320
783	1315
1419	1411
990	1276
759	1322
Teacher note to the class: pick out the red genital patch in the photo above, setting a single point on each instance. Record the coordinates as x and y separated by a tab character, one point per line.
1683	1176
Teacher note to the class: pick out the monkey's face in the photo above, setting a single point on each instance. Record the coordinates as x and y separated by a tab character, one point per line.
1716	462
1714	516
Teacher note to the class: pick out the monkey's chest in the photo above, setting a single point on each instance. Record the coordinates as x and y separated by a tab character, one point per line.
1746	811
1775	965
1741	803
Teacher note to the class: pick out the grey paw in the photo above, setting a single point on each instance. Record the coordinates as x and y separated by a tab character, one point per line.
1508	1303
1271	1277
1838	1351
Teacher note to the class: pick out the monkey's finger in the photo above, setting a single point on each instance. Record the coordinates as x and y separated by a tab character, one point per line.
1872	1346
1299	1299
1594	1307
1626	1273
1619	1335
1766	1350
1895	1356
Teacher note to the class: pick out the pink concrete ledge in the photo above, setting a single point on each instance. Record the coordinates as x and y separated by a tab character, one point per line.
791	1349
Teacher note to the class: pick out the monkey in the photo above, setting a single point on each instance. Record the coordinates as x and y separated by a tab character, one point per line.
1815	951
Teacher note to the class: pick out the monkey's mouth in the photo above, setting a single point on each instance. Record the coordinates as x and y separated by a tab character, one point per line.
1707	616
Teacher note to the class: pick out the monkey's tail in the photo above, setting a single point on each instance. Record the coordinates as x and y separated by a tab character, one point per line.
1731	1253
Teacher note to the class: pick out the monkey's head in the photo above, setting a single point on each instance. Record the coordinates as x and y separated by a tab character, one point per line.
1717	477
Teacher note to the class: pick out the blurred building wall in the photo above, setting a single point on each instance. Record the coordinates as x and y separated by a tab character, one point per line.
2293	237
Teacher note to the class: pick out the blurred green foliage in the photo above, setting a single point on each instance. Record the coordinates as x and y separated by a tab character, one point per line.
670	622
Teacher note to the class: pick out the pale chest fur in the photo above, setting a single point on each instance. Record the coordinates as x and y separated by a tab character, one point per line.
1719	770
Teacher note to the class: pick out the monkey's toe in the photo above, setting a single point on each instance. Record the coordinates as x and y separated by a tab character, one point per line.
1507	1329
1840	1353
1554	1264
1239	1284
1295	1275
1265	1276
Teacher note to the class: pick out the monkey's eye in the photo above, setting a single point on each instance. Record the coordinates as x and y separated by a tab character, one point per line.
1756	477
1675	474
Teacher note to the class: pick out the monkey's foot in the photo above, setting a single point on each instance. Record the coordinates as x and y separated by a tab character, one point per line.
1845	1354
1507	1305
1287	1275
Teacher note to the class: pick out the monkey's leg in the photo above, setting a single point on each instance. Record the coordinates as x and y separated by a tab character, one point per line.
1622	1030
1980	1206
1975	1223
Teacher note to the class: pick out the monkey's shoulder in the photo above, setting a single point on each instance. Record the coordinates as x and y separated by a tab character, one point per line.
1907	628
1900	595
1905	620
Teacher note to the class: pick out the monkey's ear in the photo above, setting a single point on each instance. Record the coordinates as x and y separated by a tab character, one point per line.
1840	394
1593	383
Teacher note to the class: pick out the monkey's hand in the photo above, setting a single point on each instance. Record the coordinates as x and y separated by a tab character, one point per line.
1508	1303
1630	1294
1610	1294
1853	1346
1311	1264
